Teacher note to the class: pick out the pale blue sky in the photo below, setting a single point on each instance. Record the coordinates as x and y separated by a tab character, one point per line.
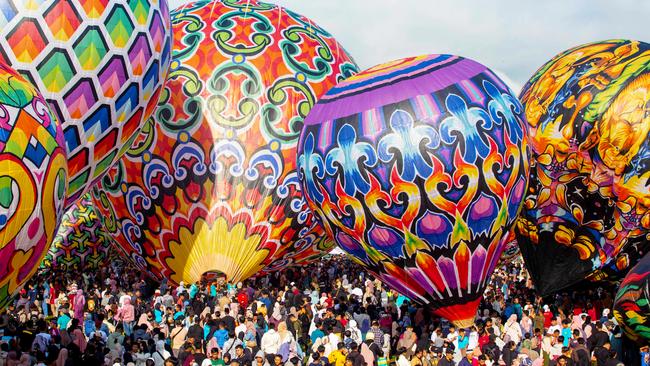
513	37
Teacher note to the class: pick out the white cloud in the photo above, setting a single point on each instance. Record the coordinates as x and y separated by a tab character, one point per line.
513	36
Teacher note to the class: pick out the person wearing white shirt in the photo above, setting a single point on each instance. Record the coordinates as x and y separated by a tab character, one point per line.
241	328
270	341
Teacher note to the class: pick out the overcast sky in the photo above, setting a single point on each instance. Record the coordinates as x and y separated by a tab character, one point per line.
513	37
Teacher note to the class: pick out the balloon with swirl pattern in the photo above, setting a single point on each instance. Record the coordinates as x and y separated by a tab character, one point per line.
417	168
210	186
33	180
589	125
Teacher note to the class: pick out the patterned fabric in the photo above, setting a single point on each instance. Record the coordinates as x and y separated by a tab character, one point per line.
100	64
32	180
587	207
632	302
417	168
212	186
82	242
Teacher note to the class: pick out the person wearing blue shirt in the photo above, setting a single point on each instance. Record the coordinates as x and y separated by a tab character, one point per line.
194	289
463	340
221	335
64	319
566	332
318	333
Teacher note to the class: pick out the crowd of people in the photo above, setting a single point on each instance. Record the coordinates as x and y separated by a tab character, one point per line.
331	313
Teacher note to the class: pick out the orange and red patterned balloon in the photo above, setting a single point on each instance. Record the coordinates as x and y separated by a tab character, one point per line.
212	186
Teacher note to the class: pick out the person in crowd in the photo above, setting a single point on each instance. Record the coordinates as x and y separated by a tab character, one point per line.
333	313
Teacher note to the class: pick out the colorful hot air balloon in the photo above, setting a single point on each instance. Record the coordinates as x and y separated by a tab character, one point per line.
510	247
212	186
33	180
632	302
99	64
309	249
82	241
588	118
417	168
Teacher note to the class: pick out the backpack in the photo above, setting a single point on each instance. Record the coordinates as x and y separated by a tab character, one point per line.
284	351
365	325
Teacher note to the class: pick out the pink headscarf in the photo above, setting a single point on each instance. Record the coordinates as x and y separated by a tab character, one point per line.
79	304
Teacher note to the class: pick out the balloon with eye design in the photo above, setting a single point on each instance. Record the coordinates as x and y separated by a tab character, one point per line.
589	126
417	168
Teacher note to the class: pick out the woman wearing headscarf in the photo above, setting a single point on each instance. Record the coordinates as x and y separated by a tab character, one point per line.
407	340
512	329
77	335
62	358
79	304
355	332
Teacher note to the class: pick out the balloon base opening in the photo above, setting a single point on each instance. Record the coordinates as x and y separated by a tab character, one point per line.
213	276
461	315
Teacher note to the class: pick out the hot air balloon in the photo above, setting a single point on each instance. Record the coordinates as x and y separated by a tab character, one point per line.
99	64
417	168
81	242
211	186
304	252
632	302
510	247
33	179
588	118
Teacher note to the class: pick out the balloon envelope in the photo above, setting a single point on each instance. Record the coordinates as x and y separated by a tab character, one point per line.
417	168
32	180
99	64
588	118
212	186
82	242
632	302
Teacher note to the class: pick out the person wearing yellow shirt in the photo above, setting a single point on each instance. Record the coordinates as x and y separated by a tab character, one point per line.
337	357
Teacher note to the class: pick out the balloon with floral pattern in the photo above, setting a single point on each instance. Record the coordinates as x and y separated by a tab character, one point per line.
211	185
417	168
33	180
588	202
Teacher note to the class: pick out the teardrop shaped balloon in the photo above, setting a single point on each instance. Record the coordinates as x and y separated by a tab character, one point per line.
33	180
632	302
588	118
100	65
417	168
82	242
212	185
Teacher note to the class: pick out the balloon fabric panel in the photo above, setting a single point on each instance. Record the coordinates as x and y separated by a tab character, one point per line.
33	180
417	169
588	202
212	186
632	302
81	242
100	65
